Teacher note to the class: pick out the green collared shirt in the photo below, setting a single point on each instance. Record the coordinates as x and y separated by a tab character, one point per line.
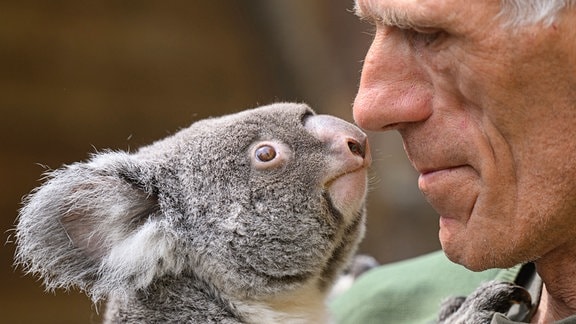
411	291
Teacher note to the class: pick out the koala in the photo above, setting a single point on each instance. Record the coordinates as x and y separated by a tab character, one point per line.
479	308
244	218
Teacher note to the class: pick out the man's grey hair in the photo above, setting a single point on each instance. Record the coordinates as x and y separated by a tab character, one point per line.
526	12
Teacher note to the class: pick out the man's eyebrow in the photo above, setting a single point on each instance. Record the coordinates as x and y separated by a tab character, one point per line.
384	16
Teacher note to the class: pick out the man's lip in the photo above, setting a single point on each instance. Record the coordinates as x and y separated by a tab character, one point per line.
427	171
431	176
452	191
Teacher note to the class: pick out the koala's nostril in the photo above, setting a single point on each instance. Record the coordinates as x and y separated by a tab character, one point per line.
356	147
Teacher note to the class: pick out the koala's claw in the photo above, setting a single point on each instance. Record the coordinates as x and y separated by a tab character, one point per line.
479	307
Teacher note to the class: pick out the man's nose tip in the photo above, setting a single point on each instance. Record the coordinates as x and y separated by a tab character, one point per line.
393	106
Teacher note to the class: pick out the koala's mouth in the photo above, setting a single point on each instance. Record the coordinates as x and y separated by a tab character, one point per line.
347	192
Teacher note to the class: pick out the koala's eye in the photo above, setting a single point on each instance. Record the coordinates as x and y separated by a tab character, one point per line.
269	155
265	153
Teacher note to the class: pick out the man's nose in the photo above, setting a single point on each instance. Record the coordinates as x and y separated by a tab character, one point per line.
393	88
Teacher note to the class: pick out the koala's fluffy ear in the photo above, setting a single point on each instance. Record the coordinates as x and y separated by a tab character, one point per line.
93	225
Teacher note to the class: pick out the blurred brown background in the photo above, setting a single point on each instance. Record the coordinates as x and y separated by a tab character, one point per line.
76	76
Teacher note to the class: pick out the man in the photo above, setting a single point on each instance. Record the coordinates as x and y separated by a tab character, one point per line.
484	96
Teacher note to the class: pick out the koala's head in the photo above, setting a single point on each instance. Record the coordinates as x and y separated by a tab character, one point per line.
252	203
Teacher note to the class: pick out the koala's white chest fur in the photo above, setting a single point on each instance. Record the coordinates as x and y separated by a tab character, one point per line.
304	306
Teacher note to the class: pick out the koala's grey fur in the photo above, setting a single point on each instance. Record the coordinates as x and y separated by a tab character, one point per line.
188	230
479	308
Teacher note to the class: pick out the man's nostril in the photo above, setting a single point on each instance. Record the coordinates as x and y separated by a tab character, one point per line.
356	148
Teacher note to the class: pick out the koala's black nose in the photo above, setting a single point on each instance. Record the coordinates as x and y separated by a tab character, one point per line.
346	141
356	147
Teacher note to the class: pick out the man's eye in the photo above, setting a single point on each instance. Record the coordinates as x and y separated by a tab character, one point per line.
423	38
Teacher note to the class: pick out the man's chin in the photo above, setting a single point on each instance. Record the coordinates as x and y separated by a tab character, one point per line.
474	259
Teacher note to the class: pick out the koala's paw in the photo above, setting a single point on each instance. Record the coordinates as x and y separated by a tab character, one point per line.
480	306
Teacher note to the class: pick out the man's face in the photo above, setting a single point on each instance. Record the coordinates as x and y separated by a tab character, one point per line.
488	118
